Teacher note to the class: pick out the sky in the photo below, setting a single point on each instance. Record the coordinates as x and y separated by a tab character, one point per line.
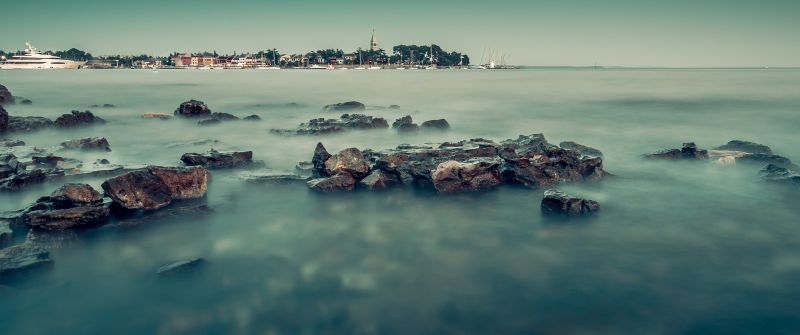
676	33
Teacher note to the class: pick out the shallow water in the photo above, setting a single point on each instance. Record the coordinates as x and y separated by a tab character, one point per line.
689	248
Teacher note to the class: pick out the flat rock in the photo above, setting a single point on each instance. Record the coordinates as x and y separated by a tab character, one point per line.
77	119
193	108
337	183
183	183
582	149
138	190
562	204
435	124
90	143
180	267
160	116
346	106
219	160
270	176
23	258
745	146
75	195
689	151
11	143
71	218
346	122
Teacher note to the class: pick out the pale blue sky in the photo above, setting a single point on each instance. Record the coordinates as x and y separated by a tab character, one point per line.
627	33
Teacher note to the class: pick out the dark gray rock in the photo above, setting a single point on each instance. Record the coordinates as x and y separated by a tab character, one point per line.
394	107
219	160
193	108
22	179
346	122
3	120
11	143
271	177
23	258
181	267
28	123
24	101
405	124
778	174
337	183
90	143
378	180
321	155
224	116
745	146
689	151
252	118
562	204
435	124
762	159
52	239
70	218
346	106
77	119
582	149
209	122
5	96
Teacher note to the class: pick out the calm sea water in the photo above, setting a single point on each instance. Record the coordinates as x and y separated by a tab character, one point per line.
679	248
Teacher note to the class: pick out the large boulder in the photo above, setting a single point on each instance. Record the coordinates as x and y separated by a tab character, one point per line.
3	120
562	204
183	183
582	149
77	119
348	161
91	143
23	258
5	96
435	124
321	155
745	146
138	190
473	175
75	195
405	124
219	160
346	106
378	180
28	123
69	218
337	183
193	108
689	151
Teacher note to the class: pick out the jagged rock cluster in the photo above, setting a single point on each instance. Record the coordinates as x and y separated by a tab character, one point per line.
469	165
345	106
406	124
198	109
91	143
562	204
346	122
31	123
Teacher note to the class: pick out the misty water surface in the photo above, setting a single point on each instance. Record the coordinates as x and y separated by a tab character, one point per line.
679	248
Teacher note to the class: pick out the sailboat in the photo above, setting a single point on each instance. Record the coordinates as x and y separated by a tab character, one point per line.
359	67
271	67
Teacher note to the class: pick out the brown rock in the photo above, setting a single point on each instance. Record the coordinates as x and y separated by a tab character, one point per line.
337	183
183	183
348	161
138	190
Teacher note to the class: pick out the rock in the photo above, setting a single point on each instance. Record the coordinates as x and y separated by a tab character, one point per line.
25	102
404	124
52	239
22	179
219	160
473	175
49	161
346	122
224	116
394	107
337	183
161	116
321	155
269	176
348	161
5	96
304	167
103	106
378	180
346	106
193	108
23	258
778	174
183	183
180	267
11	143
28	123
138	190
209	122
562	204
689	151
435	124
582	149
91	143
529	145
75	195
766	159
70	218
252	118
6	233
745	146
3	120
77	119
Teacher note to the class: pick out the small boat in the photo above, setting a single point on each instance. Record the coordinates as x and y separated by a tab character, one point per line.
374	68
359	68
316	67
267	68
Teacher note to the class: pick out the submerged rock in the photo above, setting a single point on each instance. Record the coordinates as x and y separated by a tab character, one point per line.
766	159
23	258
24	101
270	176
378	180
156	187
91	143
193	108
219	160
404	124
181	267
161	116
745	146
346	106
11	143
435	124
559	203
252	118
337	183
582	149
346	122
304	167
77	119
28	123
3	120
5	96
22	179
689	151
70	218
778	174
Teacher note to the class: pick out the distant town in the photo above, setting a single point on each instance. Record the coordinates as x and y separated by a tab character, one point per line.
372	57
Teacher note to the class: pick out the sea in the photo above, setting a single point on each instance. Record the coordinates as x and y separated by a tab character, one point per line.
678	247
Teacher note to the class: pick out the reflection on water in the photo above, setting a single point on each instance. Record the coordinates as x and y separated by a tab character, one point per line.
678	248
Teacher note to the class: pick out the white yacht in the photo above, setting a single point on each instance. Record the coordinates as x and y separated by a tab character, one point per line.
32	59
